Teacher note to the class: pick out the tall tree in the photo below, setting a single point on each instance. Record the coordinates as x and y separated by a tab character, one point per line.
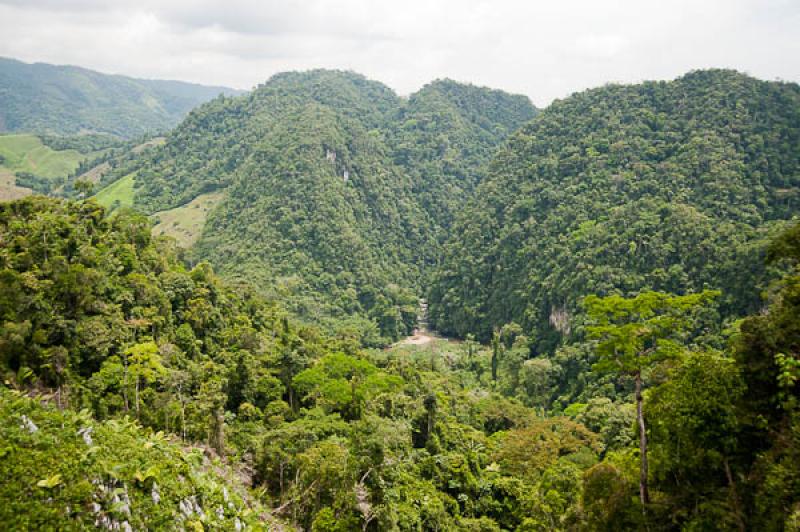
636	333
144	365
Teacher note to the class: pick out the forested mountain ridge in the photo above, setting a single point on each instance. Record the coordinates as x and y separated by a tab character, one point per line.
142	390
335	188
661	185
68	100
445	135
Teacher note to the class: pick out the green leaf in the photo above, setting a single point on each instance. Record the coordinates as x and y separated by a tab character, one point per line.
50	482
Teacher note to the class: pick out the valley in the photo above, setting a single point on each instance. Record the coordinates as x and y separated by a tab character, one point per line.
323	306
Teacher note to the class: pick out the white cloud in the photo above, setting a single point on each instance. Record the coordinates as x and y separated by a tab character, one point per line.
545	49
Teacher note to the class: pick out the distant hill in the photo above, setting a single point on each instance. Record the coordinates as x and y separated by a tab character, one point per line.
671	186
66	100
336	190
29	163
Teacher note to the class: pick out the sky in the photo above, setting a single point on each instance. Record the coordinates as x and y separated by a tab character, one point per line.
544	49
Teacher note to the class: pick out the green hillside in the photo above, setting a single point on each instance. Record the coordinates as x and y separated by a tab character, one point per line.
443	137
614	282
337	192
117	194
668	186
67	100
27	163
27	153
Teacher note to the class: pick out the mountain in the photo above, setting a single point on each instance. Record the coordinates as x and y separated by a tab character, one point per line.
668	186
141	390
445	135
66	100
327	183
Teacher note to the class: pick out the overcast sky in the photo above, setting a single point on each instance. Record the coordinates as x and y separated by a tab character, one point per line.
545	49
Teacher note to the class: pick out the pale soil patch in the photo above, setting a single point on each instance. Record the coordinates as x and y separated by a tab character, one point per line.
158	141
94	174
8	189
420	338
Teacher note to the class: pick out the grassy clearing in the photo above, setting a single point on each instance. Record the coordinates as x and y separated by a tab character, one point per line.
26	153
119	193
185	224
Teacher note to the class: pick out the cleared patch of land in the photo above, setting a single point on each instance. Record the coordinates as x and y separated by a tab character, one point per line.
424	337
8	190
117	194
185	223
418	338
94	174
157	141
26	153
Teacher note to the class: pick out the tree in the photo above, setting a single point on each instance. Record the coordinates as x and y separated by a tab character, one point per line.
497	348
341	383
144	365
84	187
697	443
633	335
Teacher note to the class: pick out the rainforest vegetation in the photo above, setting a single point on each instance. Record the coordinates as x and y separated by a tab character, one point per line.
617	277
338	193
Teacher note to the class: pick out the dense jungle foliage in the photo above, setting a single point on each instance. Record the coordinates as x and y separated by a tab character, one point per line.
621	277
138	356
338	192
672	186
66	100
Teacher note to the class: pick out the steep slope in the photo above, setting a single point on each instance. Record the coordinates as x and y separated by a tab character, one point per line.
663	185
336	191
445	135
65	100
78	473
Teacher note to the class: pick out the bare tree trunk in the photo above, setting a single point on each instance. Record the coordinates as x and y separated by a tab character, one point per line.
644	494
125	383
280	477
734	497
183	420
